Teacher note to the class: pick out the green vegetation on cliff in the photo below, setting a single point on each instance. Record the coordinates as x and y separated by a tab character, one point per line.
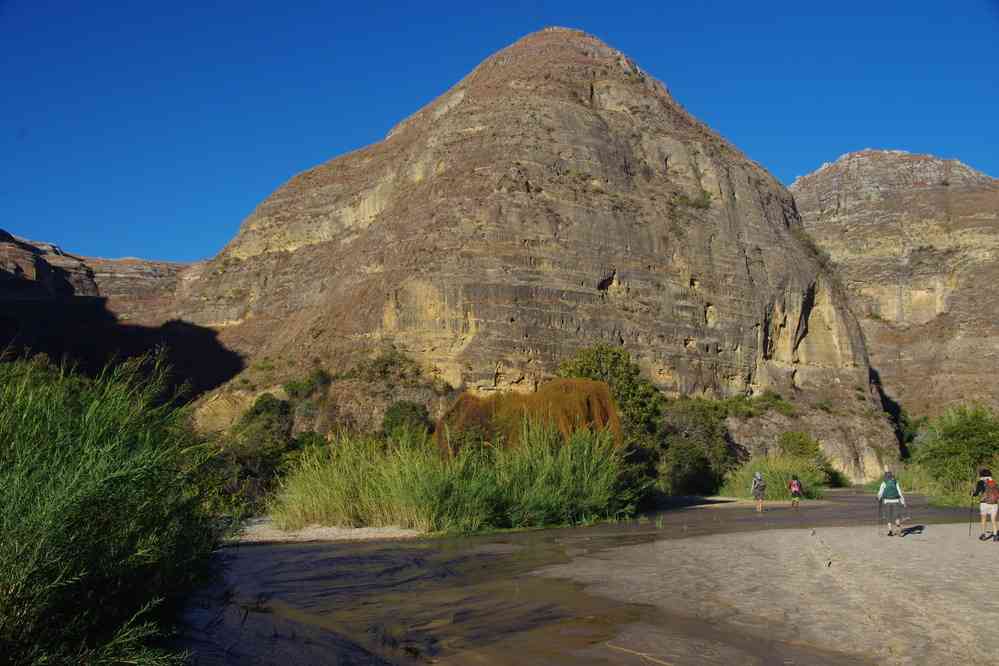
100	514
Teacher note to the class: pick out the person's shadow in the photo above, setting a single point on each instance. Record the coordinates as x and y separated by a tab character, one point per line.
915	529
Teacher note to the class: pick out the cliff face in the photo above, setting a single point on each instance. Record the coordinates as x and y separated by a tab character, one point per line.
915	239
555	198
133	288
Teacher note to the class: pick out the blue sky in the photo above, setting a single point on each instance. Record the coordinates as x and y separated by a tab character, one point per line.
152	129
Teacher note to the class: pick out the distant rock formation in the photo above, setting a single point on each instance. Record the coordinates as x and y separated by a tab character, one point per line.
88	311
915	239
554	198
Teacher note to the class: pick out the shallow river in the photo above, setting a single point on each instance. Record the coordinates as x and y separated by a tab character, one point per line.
479	600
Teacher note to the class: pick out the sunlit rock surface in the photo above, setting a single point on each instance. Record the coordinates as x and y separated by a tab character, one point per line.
915	239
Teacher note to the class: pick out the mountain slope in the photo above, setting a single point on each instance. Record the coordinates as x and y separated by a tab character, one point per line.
916	241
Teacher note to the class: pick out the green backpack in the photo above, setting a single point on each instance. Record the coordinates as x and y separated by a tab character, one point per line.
891	490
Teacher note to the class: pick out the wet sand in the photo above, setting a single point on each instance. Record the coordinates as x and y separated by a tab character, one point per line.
686	586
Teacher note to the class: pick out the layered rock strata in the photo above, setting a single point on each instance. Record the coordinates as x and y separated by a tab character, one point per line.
915	240
555	198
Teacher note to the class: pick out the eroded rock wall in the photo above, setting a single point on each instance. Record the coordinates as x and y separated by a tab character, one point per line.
915	240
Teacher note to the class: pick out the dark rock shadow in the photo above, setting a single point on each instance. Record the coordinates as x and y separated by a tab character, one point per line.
81	330
894	410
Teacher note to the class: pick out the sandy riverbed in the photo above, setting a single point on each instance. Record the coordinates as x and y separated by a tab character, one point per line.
928	598
263	530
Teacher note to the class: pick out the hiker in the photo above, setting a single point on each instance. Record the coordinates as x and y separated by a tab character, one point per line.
890	496
759	491
989	506
794	486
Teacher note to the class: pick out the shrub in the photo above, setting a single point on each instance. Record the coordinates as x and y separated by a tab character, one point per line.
801	445
697	452
640	403
565	404
390	367
777	471
250	458
103	527
958	442
404	481
305	388
408	415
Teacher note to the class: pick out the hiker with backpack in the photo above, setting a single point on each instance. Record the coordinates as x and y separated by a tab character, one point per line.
890	497
989	504
795	488
759	491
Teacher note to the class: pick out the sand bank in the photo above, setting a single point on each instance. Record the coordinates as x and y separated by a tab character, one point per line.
928	598
263	530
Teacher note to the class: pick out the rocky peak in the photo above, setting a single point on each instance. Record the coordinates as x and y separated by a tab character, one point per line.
873	174
915	239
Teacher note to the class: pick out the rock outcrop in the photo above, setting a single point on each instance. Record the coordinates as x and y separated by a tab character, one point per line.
89	311
915	240
554	198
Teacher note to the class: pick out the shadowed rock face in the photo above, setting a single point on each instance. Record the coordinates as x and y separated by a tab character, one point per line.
915	239
90	311
554	198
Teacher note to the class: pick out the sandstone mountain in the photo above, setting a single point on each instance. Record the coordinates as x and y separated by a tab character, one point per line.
554	198
915	240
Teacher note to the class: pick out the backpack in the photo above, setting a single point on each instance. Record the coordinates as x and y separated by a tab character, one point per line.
795	486
991	493
891	490
759	484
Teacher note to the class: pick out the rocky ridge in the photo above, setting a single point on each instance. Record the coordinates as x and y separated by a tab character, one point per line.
915	241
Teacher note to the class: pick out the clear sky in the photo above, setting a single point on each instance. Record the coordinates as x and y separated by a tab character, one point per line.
152	129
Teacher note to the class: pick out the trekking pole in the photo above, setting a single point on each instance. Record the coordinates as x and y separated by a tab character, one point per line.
971	515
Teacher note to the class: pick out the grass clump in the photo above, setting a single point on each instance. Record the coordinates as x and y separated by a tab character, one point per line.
404	480
777	471
102	521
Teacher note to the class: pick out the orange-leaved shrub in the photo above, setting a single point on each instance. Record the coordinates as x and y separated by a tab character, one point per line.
567	404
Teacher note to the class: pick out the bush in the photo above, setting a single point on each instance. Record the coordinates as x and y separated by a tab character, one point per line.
390	367
103	526
802	445
951	450
566	404
958	443
777	471
698	451
251	455
640	403
404	481
407	415
305	388
750	407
